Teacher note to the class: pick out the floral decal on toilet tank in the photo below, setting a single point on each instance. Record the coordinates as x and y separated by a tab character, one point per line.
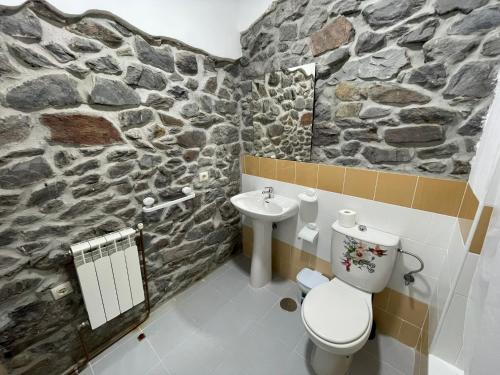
359	255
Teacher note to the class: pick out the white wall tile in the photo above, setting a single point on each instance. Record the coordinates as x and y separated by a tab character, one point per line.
460	360
449	342
456	253
329	204
438	301
440	230
422	289
248	182
433	257
439	367
465	278
443	287
453	260
434	315
417	225
425	233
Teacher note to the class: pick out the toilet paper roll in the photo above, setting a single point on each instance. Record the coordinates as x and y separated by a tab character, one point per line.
347	218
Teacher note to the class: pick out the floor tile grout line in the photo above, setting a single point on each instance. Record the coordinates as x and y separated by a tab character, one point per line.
297	345
283	280
269	311
150	321
157	356
224	268
91	368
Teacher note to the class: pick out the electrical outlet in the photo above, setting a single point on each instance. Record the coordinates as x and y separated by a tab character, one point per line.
61	290
203	176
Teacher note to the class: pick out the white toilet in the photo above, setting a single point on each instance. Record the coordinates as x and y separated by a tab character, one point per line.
338	315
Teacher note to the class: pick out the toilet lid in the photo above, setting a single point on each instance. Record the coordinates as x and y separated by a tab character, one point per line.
336	314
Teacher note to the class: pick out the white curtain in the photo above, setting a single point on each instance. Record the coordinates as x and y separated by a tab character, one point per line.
482	318
481	341
481	345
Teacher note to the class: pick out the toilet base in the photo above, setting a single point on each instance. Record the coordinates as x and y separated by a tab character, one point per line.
326	363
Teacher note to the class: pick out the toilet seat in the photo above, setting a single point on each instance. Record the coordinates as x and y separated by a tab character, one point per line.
337	313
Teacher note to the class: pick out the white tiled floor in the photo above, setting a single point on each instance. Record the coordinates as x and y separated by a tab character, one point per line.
223	326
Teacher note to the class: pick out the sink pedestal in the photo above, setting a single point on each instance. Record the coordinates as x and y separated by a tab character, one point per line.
263	212
260	272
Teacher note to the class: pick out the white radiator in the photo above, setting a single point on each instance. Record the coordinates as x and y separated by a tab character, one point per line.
110	275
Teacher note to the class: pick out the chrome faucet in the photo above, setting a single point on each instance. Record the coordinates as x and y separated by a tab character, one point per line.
269	191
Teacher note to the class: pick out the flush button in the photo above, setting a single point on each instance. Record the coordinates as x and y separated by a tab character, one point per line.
362	228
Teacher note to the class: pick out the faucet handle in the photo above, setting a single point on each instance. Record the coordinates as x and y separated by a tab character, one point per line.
267	192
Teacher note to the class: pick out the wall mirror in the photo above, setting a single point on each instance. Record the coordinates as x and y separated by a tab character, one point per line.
282	111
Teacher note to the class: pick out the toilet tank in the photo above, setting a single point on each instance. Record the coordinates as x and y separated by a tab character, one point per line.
363	257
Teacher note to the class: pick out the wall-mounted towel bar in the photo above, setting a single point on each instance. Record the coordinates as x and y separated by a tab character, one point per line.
148	202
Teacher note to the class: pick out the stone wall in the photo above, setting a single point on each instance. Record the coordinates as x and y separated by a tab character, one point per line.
401	84
282	108
95	116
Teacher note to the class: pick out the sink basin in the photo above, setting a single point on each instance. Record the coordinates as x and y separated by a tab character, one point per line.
263	212
275	209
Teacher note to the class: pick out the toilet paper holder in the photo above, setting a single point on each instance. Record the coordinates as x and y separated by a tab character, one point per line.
309	233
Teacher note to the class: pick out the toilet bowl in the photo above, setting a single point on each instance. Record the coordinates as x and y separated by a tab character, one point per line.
338	315
338	319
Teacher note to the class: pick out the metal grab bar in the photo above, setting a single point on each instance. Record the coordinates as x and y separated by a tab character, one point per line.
148	202
409	278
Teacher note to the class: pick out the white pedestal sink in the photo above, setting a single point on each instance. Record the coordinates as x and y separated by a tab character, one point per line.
263	212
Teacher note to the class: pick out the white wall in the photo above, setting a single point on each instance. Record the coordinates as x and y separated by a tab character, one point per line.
448	301
212	25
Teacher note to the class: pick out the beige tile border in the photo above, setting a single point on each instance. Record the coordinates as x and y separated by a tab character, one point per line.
306	174
439	195
285	171
331	178
360	183
480	233
443	196
268	168
398	189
